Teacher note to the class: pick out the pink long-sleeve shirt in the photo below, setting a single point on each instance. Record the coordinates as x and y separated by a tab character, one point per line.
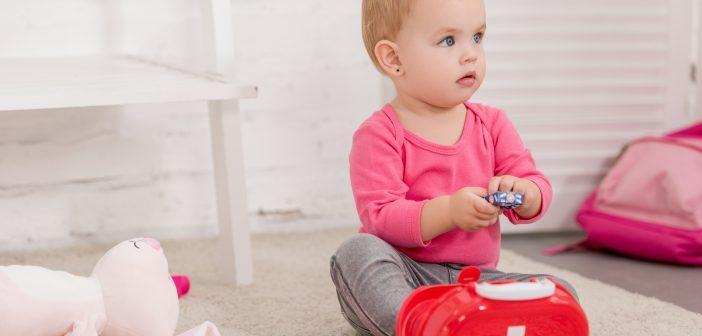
394	172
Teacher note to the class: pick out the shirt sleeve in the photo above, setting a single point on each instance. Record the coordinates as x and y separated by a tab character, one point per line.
513	158
376	179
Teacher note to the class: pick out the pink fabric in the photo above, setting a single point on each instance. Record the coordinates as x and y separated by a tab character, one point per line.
648	204
132	295
182	283
657	180
153	243
639	238
694	131
394	172
20	311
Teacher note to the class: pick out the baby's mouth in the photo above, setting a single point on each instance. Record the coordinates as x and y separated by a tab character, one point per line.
470	75
468	79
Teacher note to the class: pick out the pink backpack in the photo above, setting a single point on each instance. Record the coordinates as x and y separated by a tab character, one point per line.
650	203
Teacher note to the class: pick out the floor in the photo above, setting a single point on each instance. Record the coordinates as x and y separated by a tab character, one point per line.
293	294
680	285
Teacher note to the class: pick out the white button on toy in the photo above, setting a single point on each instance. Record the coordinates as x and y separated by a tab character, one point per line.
516	331
516	291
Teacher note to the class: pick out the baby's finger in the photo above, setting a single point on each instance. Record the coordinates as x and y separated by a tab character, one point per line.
482	224
483	216
483	207
494	184
478	191
519	187
506	183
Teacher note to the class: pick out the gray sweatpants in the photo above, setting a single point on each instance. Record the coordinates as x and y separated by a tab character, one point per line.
372	280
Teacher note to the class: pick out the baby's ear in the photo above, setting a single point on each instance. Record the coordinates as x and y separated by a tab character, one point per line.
386	52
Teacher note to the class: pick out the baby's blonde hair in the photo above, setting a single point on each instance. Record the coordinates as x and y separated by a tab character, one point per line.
382	20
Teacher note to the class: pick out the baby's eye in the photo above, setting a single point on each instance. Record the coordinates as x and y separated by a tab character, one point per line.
477	38
447	42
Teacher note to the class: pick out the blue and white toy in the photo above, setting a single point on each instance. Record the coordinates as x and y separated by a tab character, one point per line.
505	200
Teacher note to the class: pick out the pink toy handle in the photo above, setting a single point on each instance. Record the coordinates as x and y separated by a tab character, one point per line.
182	284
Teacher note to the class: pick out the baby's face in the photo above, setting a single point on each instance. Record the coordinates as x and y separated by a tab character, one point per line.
441	51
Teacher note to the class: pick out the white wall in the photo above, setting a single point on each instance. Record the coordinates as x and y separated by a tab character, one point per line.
119	171
96	173
579	79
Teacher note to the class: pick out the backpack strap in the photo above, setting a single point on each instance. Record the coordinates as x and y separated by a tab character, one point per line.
692	131
583	244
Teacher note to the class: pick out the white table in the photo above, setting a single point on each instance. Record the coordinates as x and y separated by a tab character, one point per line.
114	79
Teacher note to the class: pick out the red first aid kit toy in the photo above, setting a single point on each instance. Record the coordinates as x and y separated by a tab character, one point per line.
505	308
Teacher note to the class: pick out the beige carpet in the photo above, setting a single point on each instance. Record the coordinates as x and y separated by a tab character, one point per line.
293	294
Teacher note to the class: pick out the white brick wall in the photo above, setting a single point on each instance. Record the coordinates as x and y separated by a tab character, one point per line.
109	173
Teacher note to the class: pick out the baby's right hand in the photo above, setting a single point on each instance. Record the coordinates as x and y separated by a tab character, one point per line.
470	212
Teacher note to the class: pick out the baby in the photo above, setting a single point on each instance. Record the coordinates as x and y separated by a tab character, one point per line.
421	165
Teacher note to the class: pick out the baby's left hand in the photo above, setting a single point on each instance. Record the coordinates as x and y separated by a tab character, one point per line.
531	202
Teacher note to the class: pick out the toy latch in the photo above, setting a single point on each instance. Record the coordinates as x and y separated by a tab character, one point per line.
468	275
536	288
510	290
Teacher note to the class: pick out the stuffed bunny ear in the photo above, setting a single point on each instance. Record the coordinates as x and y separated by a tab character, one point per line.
88	327
205	329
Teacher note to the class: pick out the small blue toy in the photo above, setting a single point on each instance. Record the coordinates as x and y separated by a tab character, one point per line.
505	200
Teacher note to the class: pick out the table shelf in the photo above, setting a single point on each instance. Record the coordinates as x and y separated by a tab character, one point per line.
56	82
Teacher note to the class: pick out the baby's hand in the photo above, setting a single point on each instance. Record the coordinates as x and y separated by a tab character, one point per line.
531	200
470	212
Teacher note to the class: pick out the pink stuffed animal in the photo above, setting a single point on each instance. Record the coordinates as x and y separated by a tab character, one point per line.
129	293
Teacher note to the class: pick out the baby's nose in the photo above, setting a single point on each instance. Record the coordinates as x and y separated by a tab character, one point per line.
470	58
153	243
